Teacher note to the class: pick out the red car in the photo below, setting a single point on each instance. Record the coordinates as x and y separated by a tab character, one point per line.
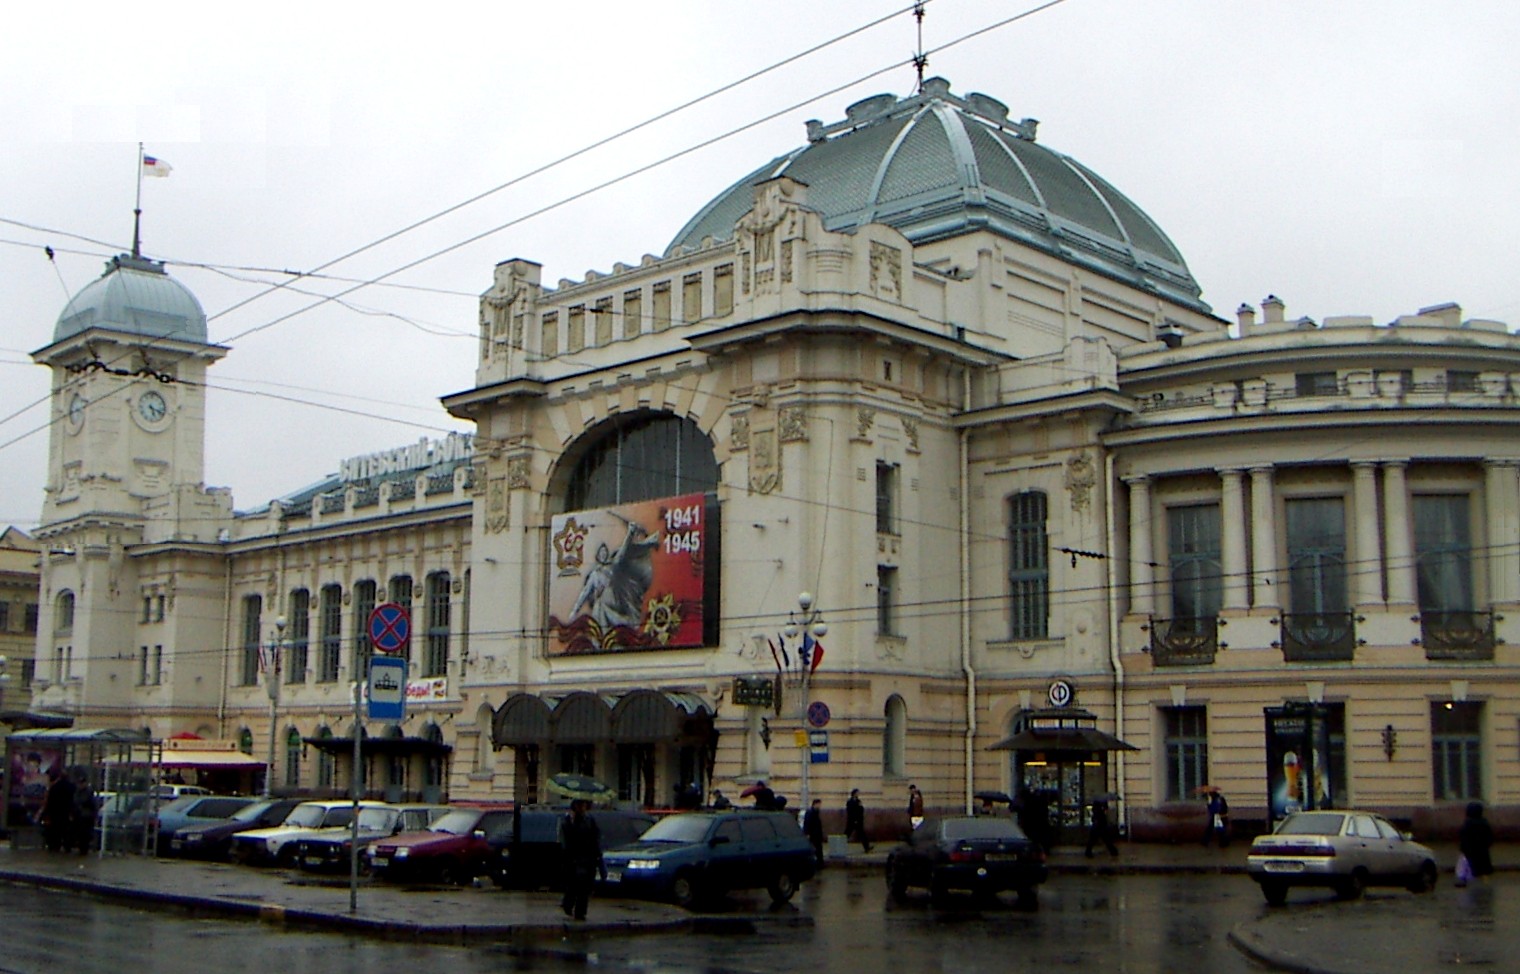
455	849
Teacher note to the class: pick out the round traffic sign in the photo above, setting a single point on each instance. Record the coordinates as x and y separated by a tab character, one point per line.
818	713
390	626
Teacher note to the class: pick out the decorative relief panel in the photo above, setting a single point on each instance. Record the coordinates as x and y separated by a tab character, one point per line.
764	462
738	433
886	271
1081	475
498	512
910	430
519	471
794	426
865	418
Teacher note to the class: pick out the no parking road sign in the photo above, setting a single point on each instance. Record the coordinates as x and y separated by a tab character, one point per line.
390	626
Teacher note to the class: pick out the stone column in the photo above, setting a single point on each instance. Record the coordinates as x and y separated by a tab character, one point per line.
1142	576
1501	490
1264	575
1232	518
1399	530
1367	562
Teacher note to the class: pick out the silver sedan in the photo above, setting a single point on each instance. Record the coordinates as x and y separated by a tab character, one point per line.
1344	850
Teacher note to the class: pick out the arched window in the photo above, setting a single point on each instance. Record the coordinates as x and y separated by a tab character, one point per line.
642	456
245	740
326	772
435	659
292	758
894	738
485	753
63	618
433	774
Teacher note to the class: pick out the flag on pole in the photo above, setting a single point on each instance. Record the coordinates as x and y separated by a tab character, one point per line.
153	166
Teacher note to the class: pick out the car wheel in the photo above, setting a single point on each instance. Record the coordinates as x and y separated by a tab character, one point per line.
285	858
449	874
897	882
1352	886
1425	882
1276	893
1029	898
685	890
783	887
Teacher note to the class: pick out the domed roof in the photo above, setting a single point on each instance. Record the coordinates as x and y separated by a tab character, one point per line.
136	296
935	165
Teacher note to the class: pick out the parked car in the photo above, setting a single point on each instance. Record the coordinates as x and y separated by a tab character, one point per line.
332	851
1344	850
455	849
690	856
213	840
194	810
167	793
276	845
532	858
984	854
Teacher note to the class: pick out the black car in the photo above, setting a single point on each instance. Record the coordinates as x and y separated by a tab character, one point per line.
690	856
984	855
532	858
214	841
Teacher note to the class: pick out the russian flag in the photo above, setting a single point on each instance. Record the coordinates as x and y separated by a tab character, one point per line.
153	166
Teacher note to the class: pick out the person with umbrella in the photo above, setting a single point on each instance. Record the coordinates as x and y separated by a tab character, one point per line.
765	798
1100	829
581	841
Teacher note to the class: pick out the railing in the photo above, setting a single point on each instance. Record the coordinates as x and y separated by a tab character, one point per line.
1318	637
1465	635
1184	641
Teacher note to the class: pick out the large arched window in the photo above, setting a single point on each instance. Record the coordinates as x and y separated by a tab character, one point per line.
292	758
326	772
639	457
63	618
894	738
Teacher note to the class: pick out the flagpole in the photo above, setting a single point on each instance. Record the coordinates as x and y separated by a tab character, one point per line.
137	208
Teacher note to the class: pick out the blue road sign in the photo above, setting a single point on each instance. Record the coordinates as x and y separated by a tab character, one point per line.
387	688
390	626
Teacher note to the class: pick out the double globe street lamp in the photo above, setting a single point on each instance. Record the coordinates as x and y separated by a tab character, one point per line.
805	621
272	686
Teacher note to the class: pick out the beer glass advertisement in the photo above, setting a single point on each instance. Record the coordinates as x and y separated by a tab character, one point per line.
1298	760
628	577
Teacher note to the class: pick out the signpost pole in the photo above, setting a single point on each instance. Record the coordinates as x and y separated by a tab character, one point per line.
356	780
390	626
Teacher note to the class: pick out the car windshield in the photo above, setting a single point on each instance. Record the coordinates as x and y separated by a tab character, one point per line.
305	816
1312	823
250	813
983	828
456	823
336	816
678	828
378	818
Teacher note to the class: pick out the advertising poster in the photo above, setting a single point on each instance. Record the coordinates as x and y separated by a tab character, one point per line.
628	577
1298	760
29	781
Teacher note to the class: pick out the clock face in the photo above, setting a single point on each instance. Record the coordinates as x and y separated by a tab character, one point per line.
76	411
151	407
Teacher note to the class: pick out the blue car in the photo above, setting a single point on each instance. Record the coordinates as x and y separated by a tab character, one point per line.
194	810
695	855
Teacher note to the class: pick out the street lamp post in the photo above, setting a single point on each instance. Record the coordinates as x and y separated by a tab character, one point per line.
272	687
807	621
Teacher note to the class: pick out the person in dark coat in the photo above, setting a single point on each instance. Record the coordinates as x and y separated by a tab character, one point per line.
1218	825
1101	829
855	821
581	840
720	802
58	811
915	806
765	798
812	827
86	808
1476	841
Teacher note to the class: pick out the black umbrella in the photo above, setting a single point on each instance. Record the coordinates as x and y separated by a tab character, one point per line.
992	796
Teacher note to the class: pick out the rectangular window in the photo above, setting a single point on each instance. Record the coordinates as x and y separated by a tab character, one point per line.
1316	383
1456	750
603	321
253	608
331	624
886	600
436	659
1443	553
1459	381
158	607
401	594
158	665
1194	551
1029	567
723	290
1316	535
550	333
28	673
298	653
1186	745
660	307
364	604
142	666
886	497
691	298
633	313
5	617
575	329
33	612
147	612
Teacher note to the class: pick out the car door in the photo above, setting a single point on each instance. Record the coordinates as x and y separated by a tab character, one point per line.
1402	860
1371	849
726	853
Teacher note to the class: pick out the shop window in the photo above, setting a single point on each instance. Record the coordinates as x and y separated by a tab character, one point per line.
1029	567
578	759
1456	750
331	623
894	738
1185	743
436	658
253	609
300	636
1194	557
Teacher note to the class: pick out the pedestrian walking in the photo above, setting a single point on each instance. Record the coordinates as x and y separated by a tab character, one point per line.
1475	842
58	811
855	821
86	808
1218	825
812	827
581	841
720	802
1101	829
915	806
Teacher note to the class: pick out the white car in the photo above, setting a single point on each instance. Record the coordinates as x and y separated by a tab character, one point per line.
279	845
1346	851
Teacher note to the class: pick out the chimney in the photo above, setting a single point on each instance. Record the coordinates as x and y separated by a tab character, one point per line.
1272	310
1245	317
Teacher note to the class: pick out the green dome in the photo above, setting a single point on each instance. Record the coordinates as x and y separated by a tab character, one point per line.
135	296
935	165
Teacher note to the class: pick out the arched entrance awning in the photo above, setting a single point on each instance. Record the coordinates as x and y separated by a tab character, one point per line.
639	716
582	717
522	719
652	716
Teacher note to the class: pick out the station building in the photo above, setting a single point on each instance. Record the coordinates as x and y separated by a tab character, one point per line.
915	457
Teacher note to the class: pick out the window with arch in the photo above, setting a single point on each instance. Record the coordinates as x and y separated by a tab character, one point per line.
365	600
300	636
245	740
401	594
894	738
1028	566
253	611
435	659
332	632
433	771
63	616
326	766
292	758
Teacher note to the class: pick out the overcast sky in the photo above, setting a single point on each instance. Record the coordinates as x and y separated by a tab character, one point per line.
1353	157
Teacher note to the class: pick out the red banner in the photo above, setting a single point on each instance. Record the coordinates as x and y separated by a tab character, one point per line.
628	577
